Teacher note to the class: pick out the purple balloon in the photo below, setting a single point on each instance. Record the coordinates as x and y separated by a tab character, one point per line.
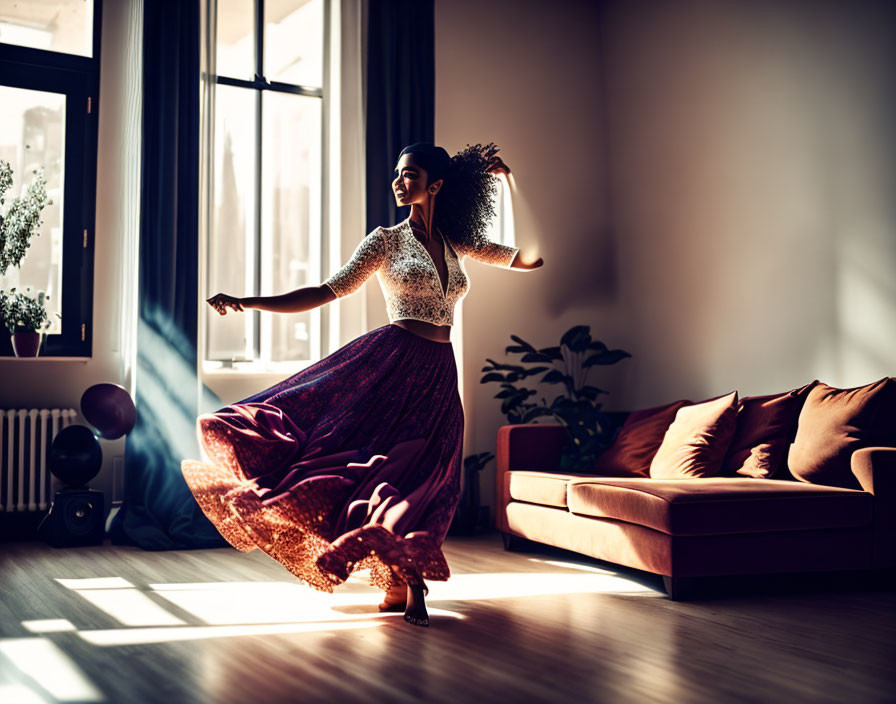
110	409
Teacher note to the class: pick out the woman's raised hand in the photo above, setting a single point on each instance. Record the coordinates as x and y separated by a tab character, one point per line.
221	302
497	166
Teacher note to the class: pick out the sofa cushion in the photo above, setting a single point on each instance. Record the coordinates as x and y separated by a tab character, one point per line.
765	427
834	423
696	442
719	504
542	488
638	440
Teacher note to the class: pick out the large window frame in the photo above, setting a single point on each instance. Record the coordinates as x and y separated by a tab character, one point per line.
76	77
260	84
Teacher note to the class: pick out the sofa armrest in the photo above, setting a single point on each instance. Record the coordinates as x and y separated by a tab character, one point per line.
530	446
524	446
875	468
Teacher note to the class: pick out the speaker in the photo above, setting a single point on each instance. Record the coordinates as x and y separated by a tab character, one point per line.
77	517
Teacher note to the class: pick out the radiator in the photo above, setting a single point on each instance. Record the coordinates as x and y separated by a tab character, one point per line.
25	439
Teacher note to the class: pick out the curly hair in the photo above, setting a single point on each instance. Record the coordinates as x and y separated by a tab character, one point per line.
465	203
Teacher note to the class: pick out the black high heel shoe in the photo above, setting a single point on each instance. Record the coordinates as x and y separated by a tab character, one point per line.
385	606
411	618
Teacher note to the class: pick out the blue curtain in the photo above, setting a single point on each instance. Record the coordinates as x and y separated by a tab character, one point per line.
400	95
158	511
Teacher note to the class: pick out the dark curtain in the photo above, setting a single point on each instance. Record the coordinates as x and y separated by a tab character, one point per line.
158	511
400	95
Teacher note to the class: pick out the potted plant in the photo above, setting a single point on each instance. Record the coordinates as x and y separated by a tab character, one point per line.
26	318
470	516
588	430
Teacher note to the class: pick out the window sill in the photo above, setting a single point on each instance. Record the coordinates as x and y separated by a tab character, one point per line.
253	369
41	358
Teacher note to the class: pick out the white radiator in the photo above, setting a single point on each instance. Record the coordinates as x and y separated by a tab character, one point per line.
25	439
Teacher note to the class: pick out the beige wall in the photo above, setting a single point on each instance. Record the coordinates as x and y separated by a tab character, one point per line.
752	178
710	184
502	77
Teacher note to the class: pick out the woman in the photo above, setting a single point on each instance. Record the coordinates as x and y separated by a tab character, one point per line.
355	461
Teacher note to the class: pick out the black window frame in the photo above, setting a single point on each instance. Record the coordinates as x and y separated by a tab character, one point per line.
260	84
78	78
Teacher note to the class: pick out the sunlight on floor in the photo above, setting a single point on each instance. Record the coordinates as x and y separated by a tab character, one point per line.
137	636
37	670
230	609
45	668
49	625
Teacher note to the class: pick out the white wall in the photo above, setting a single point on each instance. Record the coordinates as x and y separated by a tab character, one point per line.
526	76
752	177
710	185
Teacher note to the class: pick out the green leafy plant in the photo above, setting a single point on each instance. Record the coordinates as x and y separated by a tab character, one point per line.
21	311
578	409
22	220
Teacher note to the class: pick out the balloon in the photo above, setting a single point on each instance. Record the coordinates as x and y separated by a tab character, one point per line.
109	409
75	455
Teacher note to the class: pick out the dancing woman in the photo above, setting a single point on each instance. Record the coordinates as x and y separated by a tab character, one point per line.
354	462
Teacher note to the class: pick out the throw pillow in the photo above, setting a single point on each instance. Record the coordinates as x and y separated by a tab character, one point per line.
637	442
696	442
834	423
765	427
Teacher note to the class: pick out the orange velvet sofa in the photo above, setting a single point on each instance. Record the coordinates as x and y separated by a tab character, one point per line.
690	528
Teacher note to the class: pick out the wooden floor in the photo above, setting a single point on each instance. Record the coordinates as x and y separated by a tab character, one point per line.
118	624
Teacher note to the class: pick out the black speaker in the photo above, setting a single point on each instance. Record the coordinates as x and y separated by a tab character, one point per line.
77	517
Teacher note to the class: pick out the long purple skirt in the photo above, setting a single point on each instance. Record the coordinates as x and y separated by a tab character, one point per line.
352	463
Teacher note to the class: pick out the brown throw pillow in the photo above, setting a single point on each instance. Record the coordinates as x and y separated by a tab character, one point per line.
696	442
765	427
637	442
834	423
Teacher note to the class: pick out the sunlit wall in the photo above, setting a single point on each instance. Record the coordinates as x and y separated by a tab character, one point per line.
709	182
752	166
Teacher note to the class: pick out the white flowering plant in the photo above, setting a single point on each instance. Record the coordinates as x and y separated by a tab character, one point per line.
21	311
22	219
24	312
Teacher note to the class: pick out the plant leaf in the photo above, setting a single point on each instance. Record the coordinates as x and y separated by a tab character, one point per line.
577	338
606	357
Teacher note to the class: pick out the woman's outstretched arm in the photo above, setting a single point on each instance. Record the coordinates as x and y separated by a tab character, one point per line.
298	301
366	259
501	255
519	262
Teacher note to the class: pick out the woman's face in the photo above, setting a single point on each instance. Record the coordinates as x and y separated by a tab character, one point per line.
411	182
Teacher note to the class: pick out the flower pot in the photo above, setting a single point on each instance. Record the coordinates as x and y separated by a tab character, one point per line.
26	343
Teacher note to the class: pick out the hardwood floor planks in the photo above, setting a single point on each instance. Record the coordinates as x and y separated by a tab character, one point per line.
508	627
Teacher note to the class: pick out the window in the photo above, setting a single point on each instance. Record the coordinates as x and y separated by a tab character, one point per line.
49	79
265	214
502	229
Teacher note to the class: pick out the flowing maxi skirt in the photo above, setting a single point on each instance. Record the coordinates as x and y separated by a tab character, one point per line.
353	463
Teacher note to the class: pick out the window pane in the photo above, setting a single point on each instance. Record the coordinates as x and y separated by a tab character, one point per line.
501	228
32	136
235	55
293	41
291	217
60	25
231	254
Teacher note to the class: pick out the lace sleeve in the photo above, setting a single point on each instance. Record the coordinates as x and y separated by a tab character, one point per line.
492	253
368	256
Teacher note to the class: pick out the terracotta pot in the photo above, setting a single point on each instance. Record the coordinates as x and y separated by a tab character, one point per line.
26	343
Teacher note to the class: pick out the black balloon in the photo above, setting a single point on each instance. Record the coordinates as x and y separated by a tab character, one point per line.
75	455
110	409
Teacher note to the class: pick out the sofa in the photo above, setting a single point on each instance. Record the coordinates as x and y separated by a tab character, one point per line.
795	482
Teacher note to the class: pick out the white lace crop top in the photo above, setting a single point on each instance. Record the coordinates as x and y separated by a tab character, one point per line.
408	276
